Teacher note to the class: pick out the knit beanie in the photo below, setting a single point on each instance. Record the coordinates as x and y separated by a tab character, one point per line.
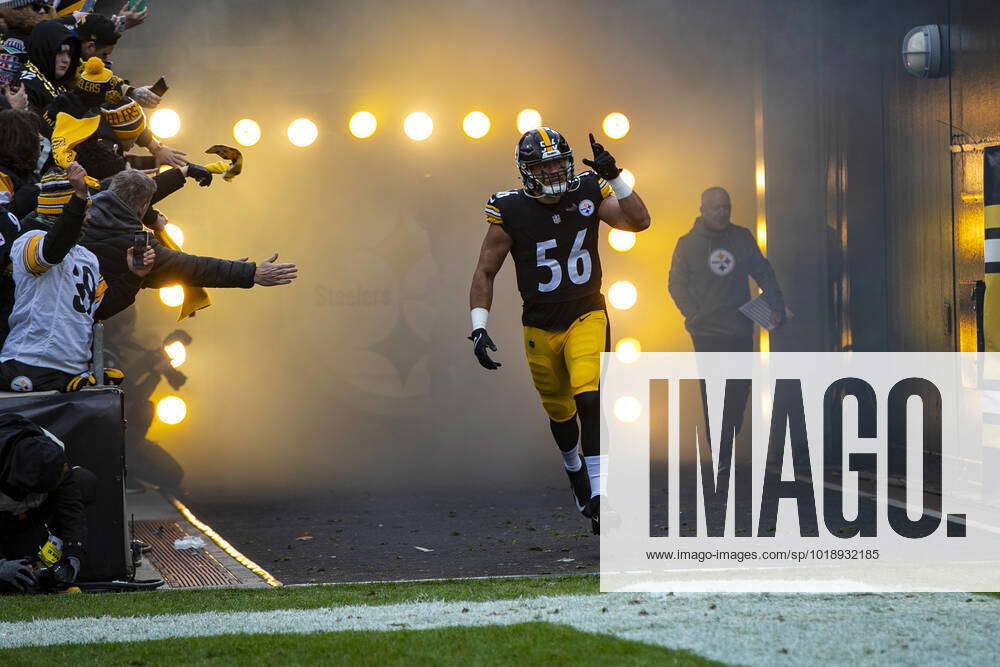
94	81
128	120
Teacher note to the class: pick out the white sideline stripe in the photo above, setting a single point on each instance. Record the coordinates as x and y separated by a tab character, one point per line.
847	629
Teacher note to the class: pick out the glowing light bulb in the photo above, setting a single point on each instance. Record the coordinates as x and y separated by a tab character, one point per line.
165	123
628	350
172	296
621	240
476	125
302	132
363	124
246	132
177	353
616	125
418	126
175	233
628	409
171	410
623	295
528	119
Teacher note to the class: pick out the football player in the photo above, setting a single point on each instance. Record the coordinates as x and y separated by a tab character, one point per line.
550	226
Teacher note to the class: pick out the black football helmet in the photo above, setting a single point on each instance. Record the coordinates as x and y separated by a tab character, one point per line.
536	151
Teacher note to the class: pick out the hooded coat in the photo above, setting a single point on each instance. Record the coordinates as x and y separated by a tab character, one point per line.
708	280
109	233
39	76
35	479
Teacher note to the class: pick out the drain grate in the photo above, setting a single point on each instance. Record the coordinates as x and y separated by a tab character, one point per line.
185	568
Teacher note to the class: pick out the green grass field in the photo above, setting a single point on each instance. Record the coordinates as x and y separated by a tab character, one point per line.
528	643
529	621
26	608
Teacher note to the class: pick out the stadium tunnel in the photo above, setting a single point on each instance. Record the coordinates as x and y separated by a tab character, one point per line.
863	183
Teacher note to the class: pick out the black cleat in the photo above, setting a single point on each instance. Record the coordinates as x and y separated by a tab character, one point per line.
579	481
594	507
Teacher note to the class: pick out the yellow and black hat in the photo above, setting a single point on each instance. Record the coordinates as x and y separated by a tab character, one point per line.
94	80
128	120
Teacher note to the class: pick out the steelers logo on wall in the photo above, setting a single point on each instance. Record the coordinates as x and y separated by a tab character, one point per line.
721	261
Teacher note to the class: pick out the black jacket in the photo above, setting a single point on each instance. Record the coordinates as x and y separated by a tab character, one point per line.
24	199
708	280
109	233
34	472
39	74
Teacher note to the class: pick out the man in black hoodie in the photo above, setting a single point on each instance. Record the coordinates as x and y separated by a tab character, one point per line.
40	496
708	278
53	56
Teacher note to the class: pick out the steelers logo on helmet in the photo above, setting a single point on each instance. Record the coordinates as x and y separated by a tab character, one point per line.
545	162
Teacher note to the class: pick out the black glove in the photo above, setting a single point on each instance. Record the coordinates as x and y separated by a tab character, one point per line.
481	341
66	570
200	174
603	163
17	575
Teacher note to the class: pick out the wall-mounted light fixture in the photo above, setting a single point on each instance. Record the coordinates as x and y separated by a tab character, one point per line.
922	51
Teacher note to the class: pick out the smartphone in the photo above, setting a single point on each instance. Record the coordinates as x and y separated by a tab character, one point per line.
11	67
137	5
139	244
160	87
141	162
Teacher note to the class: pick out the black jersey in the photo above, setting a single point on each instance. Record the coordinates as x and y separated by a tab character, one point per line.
555	251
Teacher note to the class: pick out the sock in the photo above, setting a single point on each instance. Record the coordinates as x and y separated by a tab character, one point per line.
597	470
571	459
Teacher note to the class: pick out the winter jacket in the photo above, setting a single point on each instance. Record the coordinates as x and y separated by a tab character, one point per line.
39	74
109	233
708	280
18	191
34	476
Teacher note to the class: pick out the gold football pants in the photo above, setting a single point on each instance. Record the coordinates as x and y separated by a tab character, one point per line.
567	363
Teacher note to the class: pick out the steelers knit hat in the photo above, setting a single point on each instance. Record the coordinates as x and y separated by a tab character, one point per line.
128	120
94	79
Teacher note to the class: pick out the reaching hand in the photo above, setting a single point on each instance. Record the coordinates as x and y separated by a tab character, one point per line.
132	16
269	274
200	174
146	97
18	99
148	259
167	155
18	575
481	341
603	163
77	177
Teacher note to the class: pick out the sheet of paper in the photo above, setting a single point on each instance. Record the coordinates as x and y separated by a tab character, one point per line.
759	311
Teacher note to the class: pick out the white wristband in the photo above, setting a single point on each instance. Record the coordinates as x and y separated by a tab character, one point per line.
479	317
620	187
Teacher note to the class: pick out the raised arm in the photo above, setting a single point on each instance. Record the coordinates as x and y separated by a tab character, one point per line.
66	232
628	213
625	210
